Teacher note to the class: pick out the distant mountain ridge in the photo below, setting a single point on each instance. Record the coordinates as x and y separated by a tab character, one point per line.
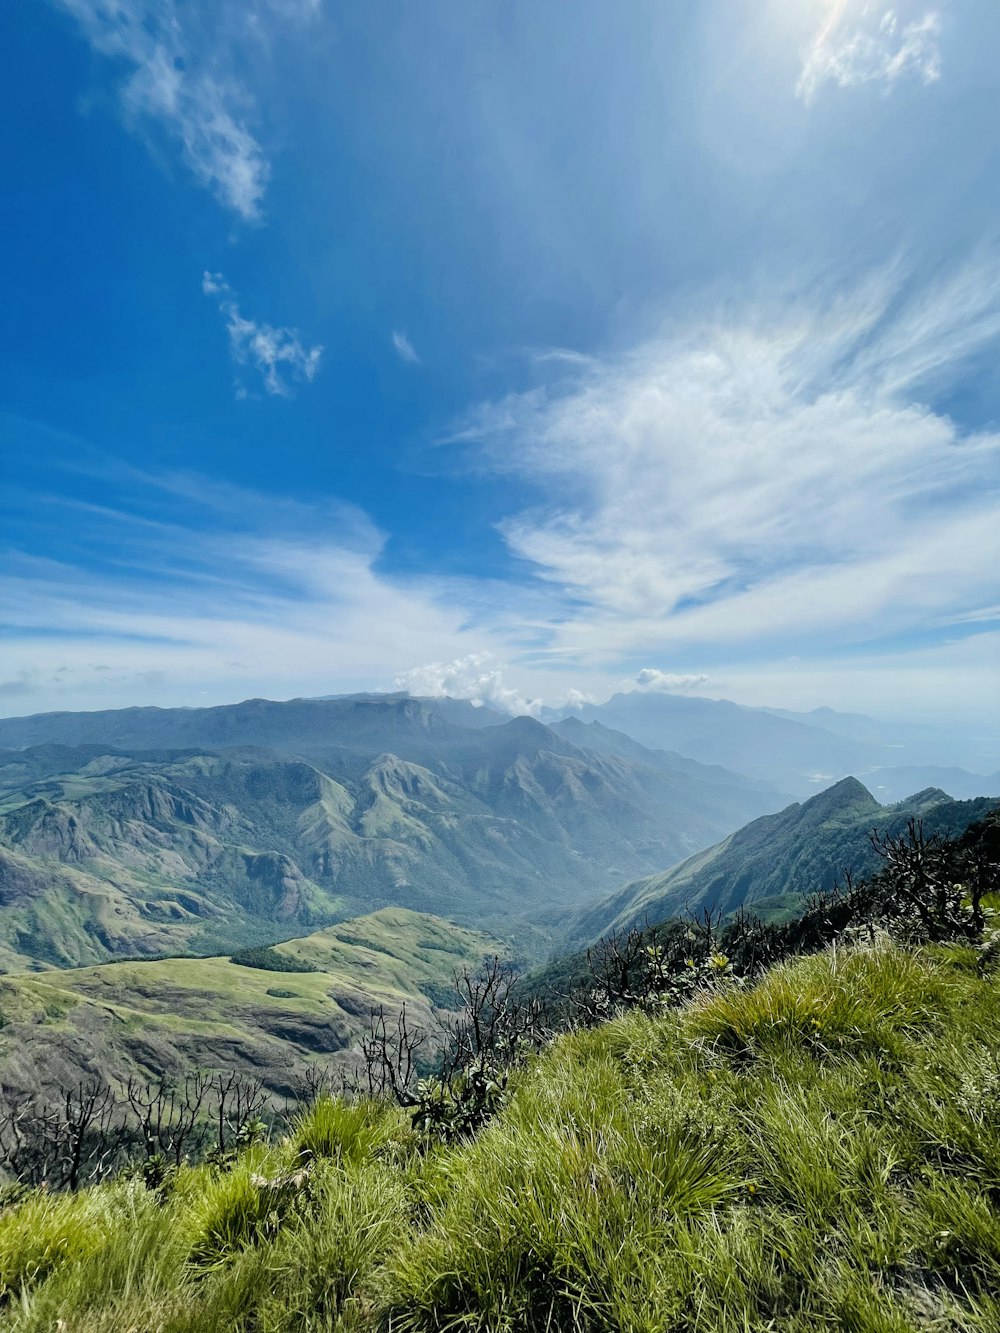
350	722
771	863
798	752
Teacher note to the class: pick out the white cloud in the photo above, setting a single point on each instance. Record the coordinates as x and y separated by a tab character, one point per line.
279	355
762	479
877	48
404	347
239	596
205	593
573	698
178	79
652	678
476	677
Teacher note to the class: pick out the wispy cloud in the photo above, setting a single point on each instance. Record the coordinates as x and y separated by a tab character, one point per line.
278	355
763	479
404	348
872	46
179	589
181	80
222	594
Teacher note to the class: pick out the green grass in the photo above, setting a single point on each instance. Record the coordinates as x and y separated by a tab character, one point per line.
820	1151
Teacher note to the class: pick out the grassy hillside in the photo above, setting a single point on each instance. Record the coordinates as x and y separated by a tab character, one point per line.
821	1151
164	1018
773	862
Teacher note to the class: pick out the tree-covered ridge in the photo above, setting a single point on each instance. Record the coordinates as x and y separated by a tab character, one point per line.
266	959
772	864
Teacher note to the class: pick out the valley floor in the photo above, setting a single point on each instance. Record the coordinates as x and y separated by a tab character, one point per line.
821	1151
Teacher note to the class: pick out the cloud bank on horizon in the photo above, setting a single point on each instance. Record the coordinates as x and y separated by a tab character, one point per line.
703	408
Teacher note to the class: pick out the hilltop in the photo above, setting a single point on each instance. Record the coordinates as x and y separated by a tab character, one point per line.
820	1151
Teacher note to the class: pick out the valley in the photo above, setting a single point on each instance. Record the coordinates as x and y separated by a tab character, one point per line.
380	844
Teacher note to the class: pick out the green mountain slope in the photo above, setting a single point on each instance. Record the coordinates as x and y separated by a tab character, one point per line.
165	1018
772	862
111	853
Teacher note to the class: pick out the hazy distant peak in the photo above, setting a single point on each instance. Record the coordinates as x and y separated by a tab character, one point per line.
929	796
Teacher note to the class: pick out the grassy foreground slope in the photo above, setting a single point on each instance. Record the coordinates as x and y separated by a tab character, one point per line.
820	1151
165	1018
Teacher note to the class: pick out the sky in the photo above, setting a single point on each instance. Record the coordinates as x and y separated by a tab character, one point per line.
519	351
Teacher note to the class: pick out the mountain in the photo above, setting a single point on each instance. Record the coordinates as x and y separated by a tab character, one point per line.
776	860
917	742
109	852
167	1018
604	740
797	753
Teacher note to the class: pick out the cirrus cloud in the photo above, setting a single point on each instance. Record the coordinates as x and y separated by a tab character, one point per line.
278	355
875	49
174	84
763	478
404	348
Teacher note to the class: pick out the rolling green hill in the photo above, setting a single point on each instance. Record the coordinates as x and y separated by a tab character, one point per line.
774	861
164	1018
108	853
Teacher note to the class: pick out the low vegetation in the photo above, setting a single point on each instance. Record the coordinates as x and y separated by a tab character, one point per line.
805	1142
268	959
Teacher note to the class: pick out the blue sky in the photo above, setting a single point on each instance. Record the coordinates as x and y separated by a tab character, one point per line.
515	350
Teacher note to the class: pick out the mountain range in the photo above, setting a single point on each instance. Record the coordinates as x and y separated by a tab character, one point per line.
801	752
108	851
